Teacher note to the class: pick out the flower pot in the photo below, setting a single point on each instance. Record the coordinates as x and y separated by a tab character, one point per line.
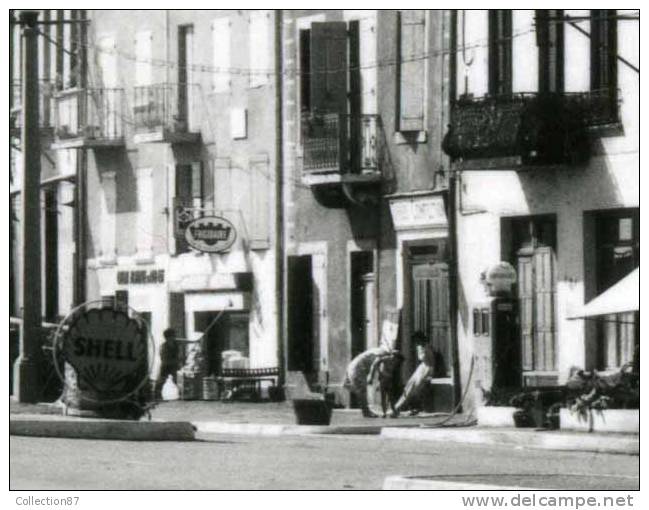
523	419
312	411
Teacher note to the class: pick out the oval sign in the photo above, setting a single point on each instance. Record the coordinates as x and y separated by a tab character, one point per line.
211	234
108	350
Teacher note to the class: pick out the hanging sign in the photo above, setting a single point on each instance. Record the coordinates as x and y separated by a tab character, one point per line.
108	350
211	234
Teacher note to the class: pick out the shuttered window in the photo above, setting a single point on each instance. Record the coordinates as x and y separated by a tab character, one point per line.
500	51
259	48
260	208
221	55
190	187
603	56
412	58
329	67
143	56
549	38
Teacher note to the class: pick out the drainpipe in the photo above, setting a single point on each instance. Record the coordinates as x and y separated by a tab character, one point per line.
453	286
279	202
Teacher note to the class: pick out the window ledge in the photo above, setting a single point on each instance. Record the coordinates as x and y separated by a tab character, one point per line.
107	260
409	137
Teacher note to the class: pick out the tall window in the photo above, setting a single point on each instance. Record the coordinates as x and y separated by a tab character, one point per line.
533	253
603	56
500	51
221	54
618	253
549	38
190	187
259	48
412	66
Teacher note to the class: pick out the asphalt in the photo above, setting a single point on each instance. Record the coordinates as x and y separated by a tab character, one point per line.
187	420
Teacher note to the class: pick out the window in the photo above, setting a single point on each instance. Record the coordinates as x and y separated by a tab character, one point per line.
603	56
618	253
549	38
259	47
412	65
533	251
221	54
500	52
305	70
190	188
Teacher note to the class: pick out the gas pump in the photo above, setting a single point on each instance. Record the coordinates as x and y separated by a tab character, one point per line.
496	332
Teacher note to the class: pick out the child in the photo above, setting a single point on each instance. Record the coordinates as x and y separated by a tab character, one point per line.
389	380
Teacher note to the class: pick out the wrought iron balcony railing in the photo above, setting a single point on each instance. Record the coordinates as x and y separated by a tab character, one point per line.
91	114
168	107
341	143
548	128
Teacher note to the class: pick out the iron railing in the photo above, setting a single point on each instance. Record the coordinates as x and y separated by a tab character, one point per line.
92	113
539	127
341	143
168	106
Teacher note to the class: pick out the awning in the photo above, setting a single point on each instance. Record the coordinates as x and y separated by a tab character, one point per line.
622	297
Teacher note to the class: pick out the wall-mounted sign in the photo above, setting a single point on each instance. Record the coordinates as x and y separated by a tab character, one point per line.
500	278
211	234
141	276
416	212
108	350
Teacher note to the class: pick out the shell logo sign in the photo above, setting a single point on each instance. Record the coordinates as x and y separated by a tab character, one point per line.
211	234
108	351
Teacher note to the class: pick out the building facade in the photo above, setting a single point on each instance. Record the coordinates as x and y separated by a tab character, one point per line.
366	189
544	141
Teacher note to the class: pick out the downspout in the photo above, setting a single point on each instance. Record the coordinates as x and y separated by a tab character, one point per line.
279	201
80	223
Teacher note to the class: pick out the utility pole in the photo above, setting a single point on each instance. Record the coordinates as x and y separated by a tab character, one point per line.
27	386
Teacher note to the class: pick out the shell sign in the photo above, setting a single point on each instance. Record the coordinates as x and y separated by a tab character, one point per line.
108	350
211	234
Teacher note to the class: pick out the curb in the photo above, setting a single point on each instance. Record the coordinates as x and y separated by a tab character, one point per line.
265	429
85	428
545	441
406	483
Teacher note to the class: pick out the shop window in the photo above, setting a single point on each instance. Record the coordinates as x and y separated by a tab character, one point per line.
500	51
412	66
617	237
532	250
549	38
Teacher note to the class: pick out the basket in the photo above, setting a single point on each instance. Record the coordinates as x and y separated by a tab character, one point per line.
210	388
312	411
189	386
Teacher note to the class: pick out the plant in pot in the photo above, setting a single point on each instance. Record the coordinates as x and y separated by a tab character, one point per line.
529	411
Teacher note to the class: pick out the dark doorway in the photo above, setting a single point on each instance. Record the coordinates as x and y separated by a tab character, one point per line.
301	345
185	33
229	332
362	263
51	256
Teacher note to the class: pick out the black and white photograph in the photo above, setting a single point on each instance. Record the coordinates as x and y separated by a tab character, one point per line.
333	250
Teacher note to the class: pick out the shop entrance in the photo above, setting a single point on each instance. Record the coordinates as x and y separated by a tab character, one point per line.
230	332
302	352
427	301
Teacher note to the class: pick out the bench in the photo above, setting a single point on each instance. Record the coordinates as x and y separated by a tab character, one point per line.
237	380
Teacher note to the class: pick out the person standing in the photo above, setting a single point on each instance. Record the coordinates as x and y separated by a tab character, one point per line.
168	359
412	393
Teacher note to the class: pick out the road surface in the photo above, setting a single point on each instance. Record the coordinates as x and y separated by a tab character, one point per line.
322	462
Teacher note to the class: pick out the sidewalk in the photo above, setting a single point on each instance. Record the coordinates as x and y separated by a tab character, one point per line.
273	419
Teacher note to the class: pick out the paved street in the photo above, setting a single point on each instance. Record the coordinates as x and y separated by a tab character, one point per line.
340	462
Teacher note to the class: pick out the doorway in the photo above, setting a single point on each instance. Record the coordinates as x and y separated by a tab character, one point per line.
230	332
302	351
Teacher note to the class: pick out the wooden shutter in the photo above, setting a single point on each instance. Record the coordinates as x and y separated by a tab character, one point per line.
549	36
329	67
500	51
143	56
354	96
544	308
259	48
183	197
411	70
526	307
260	213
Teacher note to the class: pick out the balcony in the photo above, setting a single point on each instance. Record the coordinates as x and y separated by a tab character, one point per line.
525	129
89	117
166	113
45	110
